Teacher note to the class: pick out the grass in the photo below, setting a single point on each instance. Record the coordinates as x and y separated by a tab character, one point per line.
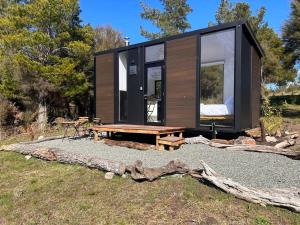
39	192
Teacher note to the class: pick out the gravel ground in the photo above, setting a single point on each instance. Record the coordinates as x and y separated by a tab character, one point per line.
248	168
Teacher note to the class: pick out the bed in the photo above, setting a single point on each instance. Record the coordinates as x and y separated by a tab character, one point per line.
217	111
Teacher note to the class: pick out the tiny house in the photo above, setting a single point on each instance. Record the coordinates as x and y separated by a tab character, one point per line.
193	80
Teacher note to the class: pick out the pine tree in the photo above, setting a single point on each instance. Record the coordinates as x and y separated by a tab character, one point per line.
274	68
171	20
50	48
291	33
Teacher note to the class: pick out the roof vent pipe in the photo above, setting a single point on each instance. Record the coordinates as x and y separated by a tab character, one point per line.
127	41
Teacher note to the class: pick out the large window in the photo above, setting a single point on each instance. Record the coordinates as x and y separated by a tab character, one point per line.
123	86
217	78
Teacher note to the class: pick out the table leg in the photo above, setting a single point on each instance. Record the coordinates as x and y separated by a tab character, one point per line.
180	134
157	145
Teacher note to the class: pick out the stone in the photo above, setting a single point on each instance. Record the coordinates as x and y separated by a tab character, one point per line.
109	175
27	157
45	153
41	138
278	133
242	140
255	132
271	139
124	175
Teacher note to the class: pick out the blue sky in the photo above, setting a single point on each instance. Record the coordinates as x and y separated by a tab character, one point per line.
124	15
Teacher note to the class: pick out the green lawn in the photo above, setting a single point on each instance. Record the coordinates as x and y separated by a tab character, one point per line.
38	192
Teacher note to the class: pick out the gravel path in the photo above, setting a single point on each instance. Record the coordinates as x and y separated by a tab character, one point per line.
249	168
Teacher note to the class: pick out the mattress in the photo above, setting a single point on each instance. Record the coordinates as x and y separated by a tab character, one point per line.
216	110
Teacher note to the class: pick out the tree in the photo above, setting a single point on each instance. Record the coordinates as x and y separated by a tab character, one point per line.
171	20
291	33
275	69
51	49
107	38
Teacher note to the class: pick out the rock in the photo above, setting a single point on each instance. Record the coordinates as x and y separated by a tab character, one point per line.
109	175
124	175
255	132
28	157
278	133
242	140
41	138
271	139
45	153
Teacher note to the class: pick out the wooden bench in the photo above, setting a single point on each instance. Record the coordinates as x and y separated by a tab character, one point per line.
171	142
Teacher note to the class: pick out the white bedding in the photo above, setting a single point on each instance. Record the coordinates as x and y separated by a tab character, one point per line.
214	110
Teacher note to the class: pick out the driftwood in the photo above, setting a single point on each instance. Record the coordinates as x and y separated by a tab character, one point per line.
54	154
259	148
287	198
140	173
129	144
197	140
285	143
266	149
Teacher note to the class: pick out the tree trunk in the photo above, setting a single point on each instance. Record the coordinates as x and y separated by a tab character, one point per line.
42	117
287	198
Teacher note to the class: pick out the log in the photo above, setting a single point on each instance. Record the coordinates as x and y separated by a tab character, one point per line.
265	149
285	143
140	173
197	140
287	198
54	154
129	144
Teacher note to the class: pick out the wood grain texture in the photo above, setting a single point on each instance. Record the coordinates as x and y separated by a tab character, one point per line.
181	82
105	87
256	87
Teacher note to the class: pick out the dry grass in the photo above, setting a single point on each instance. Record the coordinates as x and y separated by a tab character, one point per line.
38	192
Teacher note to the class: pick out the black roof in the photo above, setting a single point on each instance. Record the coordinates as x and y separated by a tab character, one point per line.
220	27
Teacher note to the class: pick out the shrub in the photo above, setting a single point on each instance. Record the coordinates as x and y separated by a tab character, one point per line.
8	112
272	117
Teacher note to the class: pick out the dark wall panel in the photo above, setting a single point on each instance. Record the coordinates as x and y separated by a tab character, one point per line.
105	87
256	87
245	120
181	82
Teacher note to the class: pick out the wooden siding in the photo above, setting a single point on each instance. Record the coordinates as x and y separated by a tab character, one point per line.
255	87
181	68
105	87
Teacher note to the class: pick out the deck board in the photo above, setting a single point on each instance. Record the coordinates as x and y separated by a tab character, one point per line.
141	129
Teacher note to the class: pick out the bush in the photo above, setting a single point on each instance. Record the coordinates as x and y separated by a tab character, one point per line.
8	112
272	117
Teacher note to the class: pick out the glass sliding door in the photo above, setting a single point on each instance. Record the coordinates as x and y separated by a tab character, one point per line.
123	102
217	78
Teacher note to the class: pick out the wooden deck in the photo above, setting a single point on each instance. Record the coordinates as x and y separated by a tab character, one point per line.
140	129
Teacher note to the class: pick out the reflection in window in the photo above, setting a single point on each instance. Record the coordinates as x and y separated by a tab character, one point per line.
155	53
154	76
122	86
217	78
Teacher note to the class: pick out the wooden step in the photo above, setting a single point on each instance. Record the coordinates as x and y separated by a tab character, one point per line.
170	141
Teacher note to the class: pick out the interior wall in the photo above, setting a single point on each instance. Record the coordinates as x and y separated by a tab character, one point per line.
123	71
